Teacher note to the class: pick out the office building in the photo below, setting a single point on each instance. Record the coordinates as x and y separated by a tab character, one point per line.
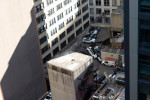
21	69
100	10
59	22
71	76
137	51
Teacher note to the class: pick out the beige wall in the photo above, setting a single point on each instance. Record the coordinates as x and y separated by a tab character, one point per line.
21	72
117	21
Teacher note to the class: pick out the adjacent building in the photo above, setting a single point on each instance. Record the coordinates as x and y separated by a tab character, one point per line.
71	76
21	69
137	51
59	22
100	10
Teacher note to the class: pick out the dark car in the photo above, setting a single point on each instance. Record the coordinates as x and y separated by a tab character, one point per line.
99	78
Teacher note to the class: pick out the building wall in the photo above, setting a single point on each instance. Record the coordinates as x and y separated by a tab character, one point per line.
117	21
102	7
58	22
21	71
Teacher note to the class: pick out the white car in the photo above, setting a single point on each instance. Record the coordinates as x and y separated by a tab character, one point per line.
109	63
91	52
89	40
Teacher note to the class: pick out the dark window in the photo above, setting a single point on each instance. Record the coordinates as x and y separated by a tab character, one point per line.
55	41
59	6
39	7
62	35
71	38
98	11
92	19
86	25
40	18
98	2
47	58
85	8
106	2
61	26
69	20
51	11
107	19
70	29
79	31
78	22
77	5
85	16
55	51
42	29
49	2
43	39
63	44
43	50
107	11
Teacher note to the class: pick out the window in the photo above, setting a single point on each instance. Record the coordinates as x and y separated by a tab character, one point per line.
70	29
43	39
84	8
79	31
43	50
60	16
39	7
55	41
78	22
69	20
68	10
52	21
77	5
49	2
63	44
91	11
114	2
91	2
83	1
92	19
107	19
86	25
98	11
106	2
54	31
98	2
47	58
66	2
42	29
71	38
99	19
59	6
62	35
107	11
51	11
61	26
55	51
40	18
78	13
85	16
35	0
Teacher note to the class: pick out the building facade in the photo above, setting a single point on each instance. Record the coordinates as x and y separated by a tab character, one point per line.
21	71
137	51
100	10
59	22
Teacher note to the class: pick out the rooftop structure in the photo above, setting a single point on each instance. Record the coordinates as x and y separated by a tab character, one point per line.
70	76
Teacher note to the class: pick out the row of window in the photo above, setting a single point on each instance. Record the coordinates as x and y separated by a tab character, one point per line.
39	7
46	48
85	8
67	2
98	11
99	20
42	29
49	2
106	2
40	18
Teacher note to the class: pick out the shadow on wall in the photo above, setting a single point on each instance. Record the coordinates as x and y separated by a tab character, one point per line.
24	78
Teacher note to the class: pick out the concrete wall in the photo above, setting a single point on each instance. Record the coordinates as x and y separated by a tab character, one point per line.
117	21
21	70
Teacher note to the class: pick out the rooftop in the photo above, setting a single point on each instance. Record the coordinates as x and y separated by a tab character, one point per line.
70	61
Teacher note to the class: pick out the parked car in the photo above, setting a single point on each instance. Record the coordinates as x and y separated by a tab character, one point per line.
89	40
99	78
93	32
91	52
109	63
